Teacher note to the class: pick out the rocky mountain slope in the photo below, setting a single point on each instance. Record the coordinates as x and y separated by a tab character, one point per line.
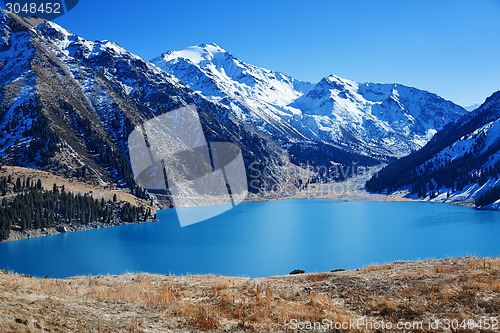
460	164
379	120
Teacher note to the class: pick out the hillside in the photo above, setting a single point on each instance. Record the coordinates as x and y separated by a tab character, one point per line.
37	203
67	106
463	290
460	164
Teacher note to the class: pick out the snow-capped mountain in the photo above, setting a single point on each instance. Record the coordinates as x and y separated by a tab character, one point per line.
222	74
67	105
386	118
460	163
368	118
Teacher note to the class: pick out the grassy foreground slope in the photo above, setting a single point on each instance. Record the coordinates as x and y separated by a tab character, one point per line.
459	288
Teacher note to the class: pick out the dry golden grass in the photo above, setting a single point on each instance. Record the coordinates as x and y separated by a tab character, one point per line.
377	267
418	291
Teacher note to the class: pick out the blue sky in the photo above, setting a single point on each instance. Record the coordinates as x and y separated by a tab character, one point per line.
450	47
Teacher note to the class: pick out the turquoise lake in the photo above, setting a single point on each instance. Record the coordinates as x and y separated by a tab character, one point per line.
258	239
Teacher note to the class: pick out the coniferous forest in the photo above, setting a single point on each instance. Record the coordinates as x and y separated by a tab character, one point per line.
26	205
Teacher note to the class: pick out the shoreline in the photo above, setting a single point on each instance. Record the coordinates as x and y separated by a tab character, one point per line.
349	196
34	233
97	191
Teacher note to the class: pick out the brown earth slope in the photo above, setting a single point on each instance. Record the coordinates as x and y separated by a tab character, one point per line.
459	292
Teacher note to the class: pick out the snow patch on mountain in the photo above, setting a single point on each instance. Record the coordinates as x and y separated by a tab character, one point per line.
490	133
68	46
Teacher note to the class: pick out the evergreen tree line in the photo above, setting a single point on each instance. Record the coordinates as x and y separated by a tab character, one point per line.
31	207
43	143
453	175
488	197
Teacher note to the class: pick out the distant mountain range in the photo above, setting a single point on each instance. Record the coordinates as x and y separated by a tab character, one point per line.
67	105
472	107
460	164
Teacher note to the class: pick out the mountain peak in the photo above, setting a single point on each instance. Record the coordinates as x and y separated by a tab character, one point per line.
209	48
197	53
27	22
336	82
334	78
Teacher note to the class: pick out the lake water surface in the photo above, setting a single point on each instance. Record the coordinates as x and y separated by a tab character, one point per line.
265	238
